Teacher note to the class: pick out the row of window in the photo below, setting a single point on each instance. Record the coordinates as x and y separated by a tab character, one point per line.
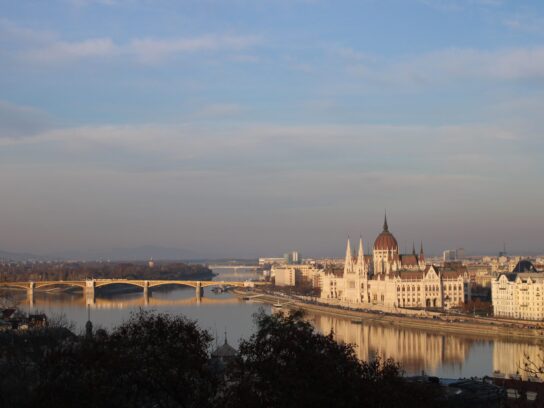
429	288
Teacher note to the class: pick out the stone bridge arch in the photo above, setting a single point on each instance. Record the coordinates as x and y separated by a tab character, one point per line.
40	285
15	285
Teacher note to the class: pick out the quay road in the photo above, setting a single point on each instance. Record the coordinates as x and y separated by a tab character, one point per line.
89	285
477	327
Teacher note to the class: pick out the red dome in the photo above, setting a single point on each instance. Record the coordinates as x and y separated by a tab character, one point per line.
386	241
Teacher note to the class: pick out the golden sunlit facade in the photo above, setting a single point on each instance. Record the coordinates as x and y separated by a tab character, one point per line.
393	280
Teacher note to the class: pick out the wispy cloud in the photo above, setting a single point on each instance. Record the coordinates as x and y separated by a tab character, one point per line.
459	5
15	35
155	50
215	110
257	146
17	122
525	23
455	64
443	5
61	51
47	47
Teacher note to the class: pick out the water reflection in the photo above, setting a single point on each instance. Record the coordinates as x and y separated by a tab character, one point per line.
121	301
444	355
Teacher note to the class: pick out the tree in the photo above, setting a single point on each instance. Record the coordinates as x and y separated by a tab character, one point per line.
286	363
152	360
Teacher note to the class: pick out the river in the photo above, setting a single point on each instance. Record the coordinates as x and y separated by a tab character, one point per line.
450	356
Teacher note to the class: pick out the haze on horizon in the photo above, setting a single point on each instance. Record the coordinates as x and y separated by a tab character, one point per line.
242	129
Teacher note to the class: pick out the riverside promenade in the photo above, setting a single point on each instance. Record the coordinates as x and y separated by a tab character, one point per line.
436	322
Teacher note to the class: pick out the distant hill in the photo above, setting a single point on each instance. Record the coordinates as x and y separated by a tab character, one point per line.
22	256
140	253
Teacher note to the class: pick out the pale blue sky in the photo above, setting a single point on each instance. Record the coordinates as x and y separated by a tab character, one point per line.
247	128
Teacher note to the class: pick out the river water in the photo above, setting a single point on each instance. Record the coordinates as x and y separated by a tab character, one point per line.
450	356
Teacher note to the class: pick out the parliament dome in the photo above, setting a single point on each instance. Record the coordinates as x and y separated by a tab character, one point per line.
386	241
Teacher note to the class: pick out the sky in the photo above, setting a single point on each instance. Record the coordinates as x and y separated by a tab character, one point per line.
246	128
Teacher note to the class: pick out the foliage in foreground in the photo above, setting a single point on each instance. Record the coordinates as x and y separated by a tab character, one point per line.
158	360
288	364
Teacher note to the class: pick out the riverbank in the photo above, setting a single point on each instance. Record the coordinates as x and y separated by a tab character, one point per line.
472	327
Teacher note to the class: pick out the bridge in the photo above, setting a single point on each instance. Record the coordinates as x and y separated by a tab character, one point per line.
235	267
89	285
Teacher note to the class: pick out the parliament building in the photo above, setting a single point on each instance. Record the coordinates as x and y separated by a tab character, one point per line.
393	280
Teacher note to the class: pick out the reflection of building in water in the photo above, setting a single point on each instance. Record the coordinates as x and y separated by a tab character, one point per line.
415	350
509	358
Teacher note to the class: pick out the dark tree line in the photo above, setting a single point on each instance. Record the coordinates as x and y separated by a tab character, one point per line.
157	360
102	270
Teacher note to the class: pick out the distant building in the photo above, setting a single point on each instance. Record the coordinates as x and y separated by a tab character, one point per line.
292	257
453	255
297	275
271	261
460	254
222	356
519	294
284	276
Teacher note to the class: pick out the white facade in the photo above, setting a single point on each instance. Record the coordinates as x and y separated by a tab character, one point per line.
519	295
294	275
284	276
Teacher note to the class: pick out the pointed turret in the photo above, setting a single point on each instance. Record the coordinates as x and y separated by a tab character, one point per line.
349	256
421	254
361	255
413	248
385	226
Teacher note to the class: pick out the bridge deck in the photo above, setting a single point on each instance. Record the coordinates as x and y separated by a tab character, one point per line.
96	283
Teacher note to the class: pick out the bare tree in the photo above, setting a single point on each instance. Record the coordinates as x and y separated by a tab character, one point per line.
533	367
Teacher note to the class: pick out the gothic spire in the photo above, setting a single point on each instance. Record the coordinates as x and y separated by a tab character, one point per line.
421	255
348	253
385	226
413	248
361	257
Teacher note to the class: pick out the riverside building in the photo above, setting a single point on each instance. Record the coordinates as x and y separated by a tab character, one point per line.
519	294
393	280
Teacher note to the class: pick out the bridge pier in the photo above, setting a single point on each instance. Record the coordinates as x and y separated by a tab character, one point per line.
146	293
199	291
30	290
90	285
30	294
